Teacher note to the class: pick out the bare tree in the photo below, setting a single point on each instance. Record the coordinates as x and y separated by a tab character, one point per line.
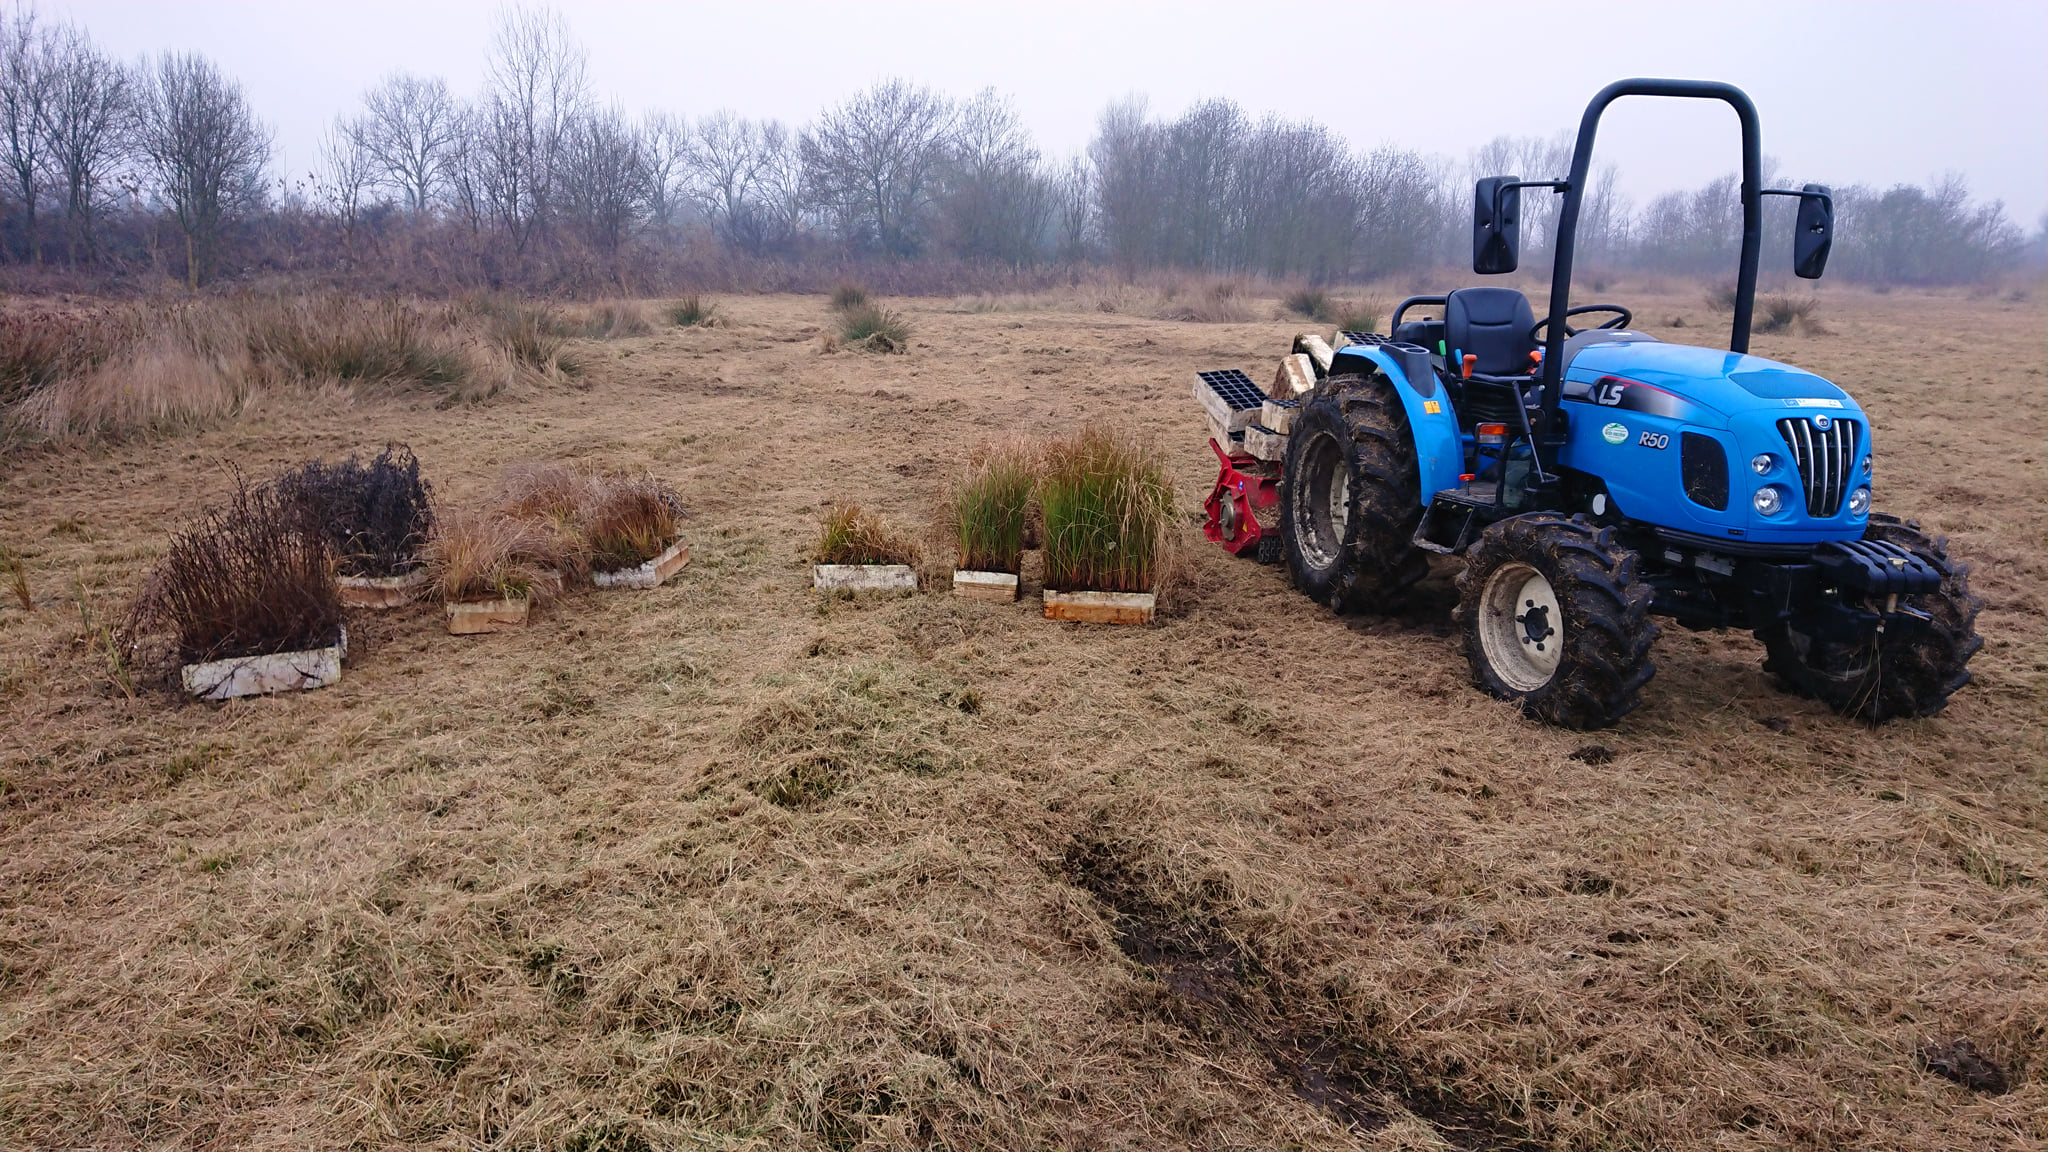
1073	210
665	139
205	149
872	163
408	130
1129	177
84	128
352	167
536	84
27	77
725	162
995	203
603	177
779	205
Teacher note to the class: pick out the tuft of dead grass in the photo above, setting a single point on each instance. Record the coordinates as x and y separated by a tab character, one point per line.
1783	311
692	311
15	569
1212	302
600	521
482	555
1361	315
851	534
632	520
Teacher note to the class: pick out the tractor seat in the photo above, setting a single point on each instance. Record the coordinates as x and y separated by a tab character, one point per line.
1492	324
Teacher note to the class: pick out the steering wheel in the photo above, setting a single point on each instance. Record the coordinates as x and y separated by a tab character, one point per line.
1622	318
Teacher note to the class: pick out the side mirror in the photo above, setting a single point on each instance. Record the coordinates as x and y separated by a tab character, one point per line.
1815	233
1496	226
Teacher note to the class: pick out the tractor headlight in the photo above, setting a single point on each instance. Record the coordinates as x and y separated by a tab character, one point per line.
1762	463
1768	501
1859	502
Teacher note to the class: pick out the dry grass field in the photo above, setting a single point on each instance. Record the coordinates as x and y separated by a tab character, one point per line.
723	865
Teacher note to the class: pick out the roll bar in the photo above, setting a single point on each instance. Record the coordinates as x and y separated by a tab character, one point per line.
1574	192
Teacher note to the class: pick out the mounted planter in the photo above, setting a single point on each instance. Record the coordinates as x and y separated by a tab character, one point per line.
1100	607
863	578
262	675
379	592
996	587
471	617
648	575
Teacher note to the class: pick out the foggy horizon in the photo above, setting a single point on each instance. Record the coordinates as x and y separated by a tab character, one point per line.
1876	95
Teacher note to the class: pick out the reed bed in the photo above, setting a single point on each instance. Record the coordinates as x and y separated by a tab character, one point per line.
1107	502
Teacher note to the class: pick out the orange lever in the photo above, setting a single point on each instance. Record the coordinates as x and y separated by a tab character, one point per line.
1471	362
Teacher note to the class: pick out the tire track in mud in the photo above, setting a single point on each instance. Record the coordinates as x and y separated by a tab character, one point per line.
1221	990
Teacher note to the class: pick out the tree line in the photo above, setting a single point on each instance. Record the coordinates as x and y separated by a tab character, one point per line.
161	166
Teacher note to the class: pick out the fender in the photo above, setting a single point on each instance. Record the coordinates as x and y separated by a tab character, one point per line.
1439	453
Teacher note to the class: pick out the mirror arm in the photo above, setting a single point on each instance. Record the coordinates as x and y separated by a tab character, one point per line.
1557	187
1823	197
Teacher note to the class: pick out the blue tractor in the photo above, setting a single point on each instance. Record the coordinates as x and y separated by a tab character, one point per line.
1595	478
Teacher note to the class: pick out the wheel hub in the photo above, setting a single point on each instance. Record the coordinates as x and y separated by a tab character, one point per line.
1519	627
1321	519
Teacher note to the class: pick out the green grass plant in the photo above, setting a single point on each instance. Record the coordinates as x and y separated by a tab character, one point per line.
990	504
691	311
849	296
1358	316
1311	302
875	329
1107	501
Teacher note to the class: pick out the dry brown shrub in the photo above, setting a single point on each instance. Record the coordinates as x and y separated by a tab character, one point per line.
249	577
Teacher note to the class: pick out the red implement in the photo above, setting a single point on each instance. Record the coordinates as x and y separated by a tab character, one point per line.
1241	492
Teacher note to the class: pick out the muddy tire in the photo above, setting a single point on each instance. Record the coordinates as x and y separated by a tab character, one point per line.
1352	495
1888	679
1556	619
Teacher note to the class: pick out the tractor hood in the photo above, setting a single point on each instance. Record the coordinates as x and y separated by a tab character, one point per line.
1699	386
1690	438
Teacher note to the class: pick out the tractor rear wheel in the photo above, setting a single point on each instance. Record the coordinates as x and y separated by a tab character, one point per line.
1556	619
1883	679
1351	495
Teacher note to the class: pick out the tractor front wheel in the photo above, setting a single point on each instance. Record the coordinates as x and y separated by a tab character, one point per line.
1883	678
1351	495
1556	620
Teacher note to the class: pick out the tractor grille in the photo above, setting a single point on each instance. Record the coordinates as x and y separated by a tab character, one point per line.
1826	459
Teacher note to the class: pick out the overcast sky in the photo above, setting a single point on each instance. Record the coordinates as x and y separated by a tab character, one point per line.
1874	93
